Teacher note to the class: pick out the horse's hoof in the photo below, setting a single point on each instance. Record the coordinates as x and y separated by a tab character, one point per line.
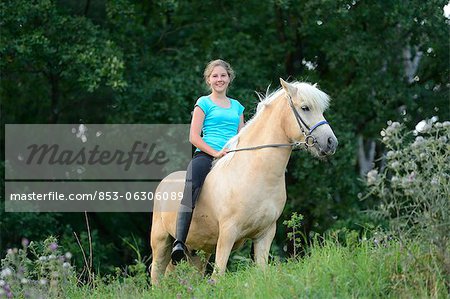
178	253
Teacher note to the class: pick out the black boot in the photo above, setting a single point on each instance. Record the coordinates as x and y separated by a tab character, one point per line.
179	249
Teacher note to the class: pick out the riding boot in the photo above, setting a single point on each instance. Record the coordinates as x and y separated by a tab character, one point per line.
179	249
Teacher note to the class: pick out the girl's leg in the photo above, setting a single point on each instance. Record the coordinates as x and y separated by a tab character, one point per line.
196	173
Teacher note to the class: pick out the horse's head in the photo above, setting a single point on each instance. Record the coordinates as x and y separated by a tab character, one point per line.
305	121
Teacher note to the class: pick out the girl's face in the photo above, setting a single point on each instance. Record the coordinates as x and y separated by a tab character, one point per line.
219	79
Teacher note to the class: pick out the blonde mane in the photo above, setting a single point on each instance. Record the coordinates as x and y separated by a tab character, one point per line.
309	94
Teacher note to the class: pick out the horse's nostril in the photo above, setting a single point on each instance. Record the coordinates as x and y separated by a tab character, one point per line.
332	143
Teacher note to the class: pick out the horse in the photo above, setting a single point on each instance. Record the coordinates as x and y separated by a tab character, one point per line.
244	193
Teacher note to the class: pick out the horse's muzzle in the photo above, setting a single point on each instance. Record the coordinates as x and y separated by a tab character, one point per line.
330	149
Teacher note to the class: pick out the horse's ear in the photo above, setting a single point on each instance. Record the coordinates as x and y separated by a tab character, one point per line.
289	88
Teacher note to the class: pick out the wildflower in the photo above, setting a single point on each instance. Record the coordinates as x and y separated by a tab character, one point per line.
390	154
411	176
395	164
211	281
43	258
24	281
68	255
9	251
43	281
25	242
443	139
419	140
435	181
372	176
2	283
183	281
438	125
5	272
423	126
422	155
394	179
446	124
66	265
51	257
53	246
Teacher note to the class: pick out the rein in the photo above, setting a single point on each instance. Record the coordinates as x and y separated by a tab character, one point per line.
310	140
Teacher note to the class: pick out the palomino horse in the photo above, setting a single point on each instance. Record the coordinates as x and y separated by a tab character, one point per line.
244	194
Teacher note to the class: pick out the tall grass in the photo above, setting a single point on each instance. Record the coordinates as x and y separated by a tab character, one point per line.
366	270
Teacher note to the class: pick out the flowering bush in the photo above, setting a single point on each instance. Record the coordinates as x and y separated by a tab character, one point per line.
413	185
37	270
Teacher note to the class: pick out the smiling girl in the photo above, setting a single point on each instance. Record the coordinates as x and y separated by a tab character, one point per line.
215	120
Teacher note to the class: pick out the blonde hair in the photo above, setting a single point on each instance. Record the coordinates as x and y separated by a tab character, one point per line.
218	62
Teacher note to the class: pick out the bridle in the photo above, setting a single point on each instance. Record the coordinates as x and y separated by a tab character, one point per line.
310	140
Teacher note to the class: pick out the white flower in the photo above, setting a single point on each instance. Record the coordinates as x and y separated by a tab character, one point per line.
9	251
43	258
423	155
435	180
68	255
419	140
66	265
434	119
395	164
372	176
24	281
394	179
390	154
51	257
443	139
446	124
43	281
5	272
423	126
2	283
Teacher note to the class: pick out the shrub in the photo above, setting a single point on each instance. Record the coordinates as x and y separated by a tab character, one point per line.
37	270
413	188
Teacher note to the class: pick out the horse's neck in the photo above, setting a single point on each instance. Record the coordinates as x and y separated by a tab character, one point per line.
268	128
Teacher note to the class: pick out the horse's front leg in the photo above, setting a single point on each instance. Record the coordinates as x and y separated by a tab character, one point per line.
227	237
262	246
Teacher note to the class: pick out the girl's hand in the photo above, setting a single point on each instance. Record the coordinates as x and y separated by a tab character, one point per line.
222	153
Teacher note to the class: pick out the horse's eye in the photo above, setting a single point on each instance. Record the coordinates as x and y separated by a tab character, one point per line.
305	108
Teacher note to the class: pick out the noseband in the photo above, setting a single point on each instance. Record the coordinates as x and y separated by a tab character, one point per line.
310	140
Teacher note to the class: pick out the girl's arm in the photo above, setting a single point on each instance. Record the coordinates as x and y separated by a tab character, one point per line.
198	117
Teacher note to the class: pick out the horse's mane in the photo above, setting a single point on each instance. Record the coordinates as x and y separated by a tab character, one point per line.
309	94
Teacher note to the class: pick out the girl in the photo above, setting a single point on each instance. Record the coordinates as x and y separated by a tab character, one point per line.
219	118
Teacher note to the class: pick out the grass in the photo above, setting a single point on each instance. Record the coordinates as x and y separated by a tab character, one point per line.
329	271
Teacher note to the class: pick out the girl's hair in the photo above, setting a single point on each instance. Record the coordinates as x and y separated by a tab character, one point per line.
218	62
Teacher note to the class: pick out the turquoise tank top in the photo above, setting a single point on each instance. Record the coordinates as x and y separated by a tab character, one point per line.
220	124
